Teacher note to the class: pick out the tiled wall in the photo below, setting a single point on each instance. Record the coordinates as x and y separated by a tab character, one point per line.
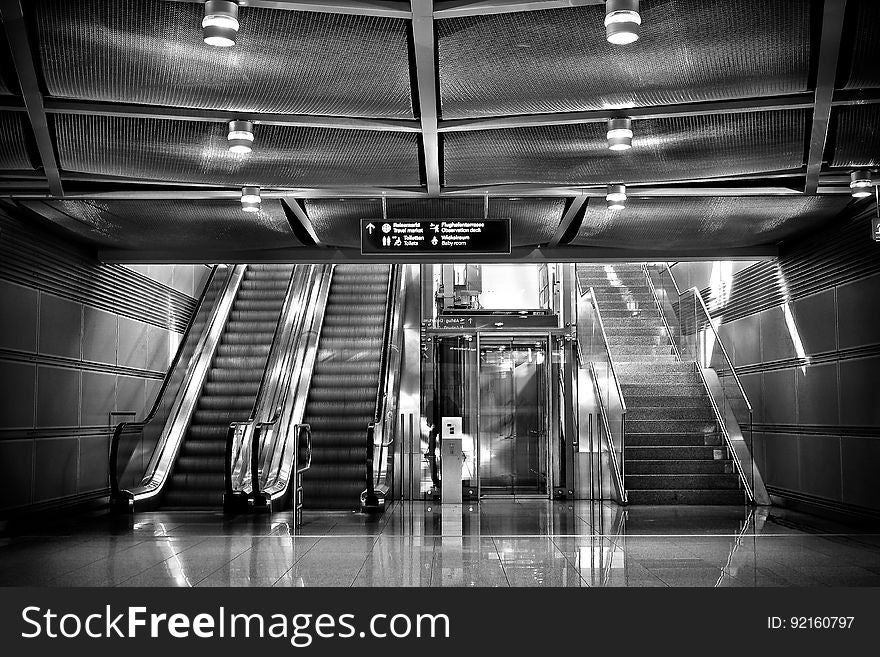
813	379
65	367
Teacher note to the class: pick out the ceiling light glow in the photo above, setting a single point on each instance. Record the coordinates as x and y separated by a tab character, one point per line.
620	134
622	21
241	136
220	24
250	199
860	183
616	197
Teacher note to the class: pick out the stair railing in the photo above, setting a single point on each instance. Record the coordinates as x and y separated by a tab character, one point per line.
161	434
698	340
242	442
610	401
380	432
282	443
656	296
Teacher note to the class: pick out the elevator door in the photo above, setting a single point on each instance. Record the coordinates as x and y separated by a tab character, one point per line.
513	417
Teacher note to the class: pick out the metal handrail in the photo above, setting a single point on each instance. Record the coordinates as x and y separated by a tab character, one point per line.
369	496
595	305
660	310
165	451
730	448
119	429
672	278
618	470
285	330
279	469
720	344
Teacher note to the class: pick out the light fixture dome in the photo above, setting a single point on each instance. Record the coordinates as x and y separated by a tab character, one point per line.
622	21
616	197
241	136
620	134
860	183
220	24
250	199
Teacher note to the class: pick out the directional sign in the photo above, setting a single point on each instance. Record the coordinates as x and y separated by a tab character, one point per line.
463	236
875	228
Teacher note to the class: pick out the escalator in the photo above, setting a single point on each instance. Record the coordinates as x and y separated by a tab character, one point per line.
231	388
345	383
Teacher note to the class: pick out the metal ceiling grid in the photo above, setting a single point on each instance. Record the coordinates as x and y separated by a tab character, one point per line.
189	151
533	220
559	60
295	62
154	225
677	148
860	69
654	224
13	149
857	138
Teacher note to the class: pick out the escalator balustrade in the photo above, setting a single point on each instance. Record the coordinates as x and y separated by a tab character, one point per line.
231	388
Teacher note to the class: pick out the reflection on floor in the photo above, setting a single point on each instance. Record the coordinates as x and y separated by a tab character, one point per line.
496	543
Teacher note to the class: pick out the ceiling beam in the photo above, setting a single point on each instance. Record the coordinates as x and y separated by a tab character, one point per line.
460	8
571	212
301	216
794	101
61	106
517	190
353	7
313	255
426	80
826	74
22	57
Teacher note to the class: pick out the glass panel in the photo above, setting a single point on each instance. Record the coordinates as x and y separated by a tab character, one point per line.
513	418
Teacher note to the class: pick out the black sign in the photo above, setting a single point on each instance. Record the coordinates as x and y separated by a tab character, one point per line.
455	321
875	228
464	236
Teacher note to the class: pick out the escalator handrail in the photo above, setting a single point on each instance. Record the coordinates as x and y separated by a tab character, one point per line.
304	350
381	391
163	456
119	429
278	350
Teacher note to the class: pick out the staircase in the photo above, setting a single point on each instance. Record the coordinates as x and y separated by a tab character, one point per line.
675	452
230	391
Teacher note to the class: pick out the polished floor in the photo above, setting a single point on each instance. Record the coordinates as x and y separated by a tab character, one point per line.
496	543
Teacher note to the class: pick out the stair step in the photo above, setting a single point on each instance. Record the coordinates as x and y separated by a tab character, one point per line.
645	466
662	390
643	368
671	439
662	401
681	482
694	497
677	453
655	412
670	426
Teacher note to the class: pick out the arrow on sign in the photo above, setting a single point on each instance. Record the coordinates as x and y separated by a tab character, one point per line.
370	228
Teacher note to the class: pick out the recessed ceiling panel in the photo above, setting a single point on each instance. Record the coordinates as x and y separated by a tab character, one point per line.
680	148
860	66
695	223
199	226
857	136
558	60
152	52
533	220
189	151
13	152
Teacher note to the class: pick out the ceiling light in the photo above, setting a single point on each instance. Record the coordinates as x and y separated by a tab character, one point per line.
616	197
620	134
622	21
860	182
250	199
220	24
241	136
